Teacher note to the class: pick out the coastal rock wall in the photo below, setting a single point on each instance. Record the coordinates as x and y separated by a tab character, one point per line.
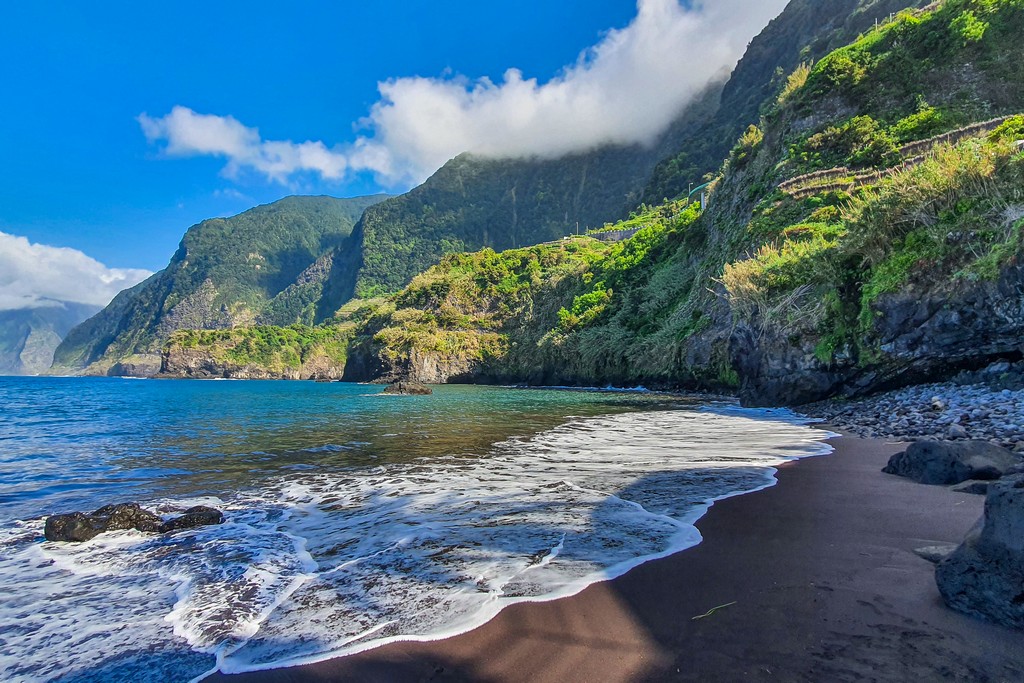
365	365
918	334
184	363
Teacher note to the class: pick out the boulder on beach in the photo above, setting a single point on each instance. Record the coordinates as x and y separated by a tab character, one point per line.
404	388
79	526
985	575
945	463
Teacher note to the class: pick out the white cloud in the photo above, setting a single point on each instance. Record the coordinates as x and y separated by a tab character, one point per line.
190	134
33	275
626	89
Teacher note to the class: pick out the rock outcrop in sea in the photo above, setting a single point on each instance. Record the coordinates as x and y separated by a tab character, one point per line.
408	388
80	526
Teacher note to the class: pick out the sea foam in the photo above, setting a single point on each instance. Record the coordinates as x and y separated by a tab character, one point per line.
319	565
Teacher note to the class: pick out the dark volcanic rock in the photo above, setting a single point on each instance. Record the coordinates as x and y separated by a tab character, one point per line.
985	575
79	526
975	488
922	333
75	526
408	389
948	462
127	516
199	515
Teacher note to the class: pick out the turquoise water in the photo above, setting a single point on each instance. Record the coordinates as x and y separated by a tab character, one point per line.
72	443
353	519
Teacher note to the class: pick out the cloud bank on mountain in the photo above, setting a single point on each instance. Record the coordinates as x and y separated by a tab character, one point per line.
627	89
36	275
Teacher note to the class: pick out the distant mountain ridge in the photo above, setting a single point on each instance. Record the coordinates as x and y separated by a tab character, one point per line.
28	337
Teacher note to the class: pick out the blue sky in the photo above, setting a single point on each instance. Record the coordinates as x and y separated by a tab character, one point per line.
122	124
79	172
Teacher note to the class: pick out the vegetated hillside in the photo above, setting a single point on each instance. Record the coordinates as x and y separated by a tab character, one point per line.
292	261
474	202
529	315
888	255
803	33
267	351
28	337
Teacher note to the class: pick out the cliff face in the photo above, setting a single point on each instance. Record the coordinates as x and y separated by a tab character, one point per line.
177	362
921	333
866	234
283	263
28	337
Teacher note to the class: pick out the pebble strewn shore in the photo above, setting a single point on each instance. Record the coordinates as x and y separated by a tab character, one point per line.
986	405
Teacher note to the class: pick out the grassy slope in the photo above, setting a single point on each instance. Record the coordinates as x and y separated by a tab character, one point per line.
512	314
473	202
824	258
806	31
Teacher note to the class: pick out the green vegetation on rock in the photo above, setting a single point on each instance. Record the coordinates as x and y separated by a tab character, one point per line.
274	349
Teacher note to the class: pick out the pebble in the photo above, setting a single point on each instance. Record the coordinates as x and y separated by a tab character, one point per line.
949	410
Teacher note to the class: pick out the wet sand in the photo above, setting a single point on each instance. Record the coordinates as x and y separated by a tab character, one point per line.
820	581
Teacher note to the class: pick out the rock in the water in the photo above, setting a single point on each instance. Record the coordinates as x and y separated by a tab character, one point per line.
128	516
78	526
199	515
408	389
945	463
985	575
75	527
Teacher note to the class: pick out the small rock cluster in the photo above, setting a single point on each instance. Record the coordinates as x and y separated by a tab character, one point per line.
80	526
408	388
949	411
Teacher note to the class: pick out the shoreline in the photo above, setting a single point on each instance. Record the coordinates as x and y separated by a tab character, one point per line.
814	577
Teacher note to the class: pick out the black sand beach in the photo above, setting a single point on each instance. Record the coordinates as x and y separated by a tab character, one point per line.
820	580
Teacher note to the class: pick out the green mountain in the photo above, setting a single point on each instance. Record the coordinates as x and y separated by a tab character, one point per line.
469	204
28	337
474	202
867	232
803	33
292	261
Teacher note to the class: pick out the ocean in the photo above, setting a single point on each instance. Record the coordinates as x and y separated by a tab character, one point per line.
353	519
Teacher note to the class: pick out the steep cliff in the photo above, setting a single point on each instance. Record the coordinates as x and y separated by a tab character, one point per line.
292	261
865	234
